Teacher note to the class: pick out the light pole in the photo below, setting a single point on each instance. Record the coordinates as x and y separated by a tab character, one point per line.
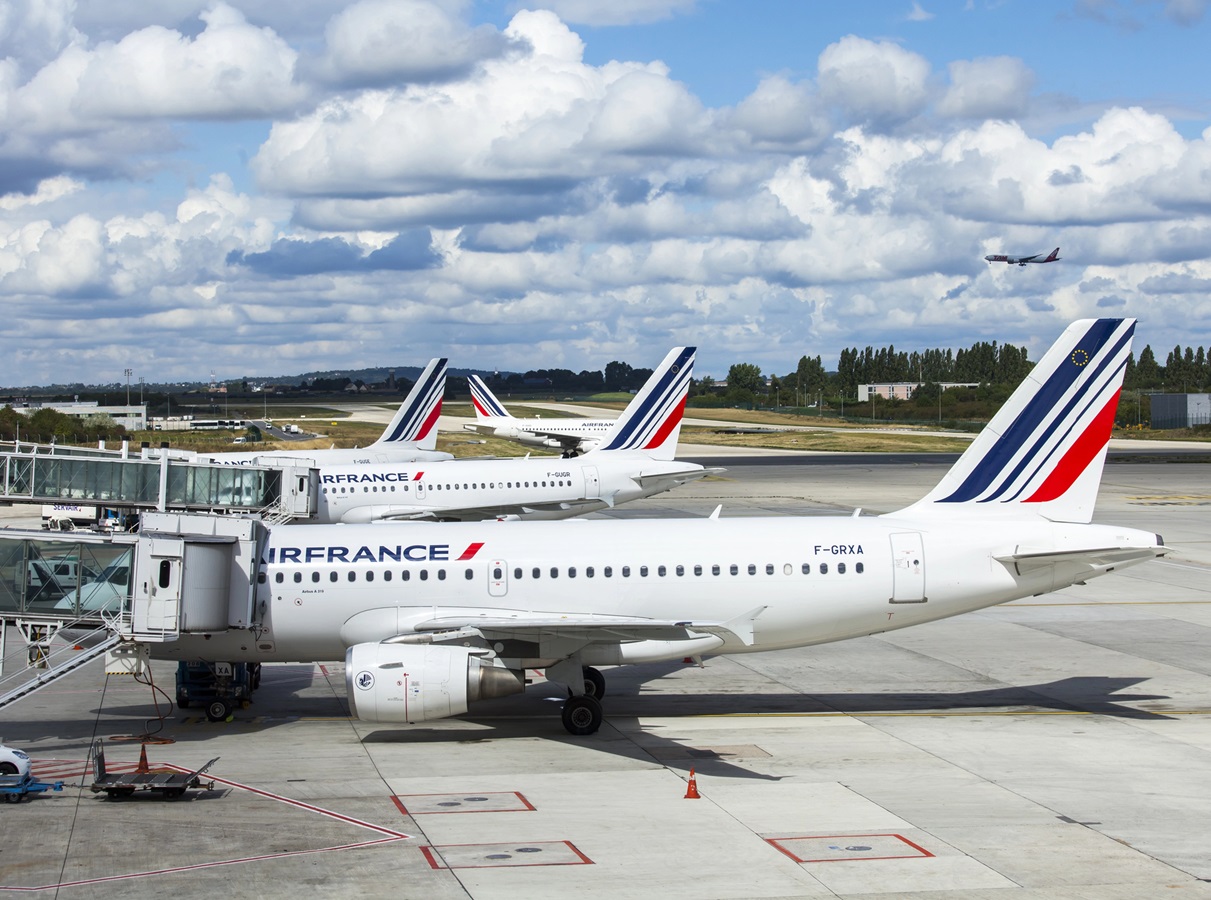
128	373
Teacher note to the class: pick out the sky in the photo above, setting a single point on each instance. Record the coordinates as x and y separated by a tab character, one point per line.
253	188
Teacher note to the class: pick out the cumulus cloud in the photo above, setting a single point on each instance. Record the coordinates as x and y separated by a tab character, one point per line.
996	87
380	42
877	83
782	112
614	12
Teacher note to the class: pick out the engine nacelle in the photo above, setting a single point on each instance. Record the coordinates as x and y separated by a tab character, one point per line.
418	682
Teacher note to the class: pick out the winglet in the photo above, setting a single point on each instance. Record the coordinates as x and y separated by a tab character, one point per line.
652	421
415	423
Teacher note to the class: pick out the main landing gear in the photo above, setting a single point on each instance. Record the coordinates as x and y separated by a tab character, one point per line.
582	713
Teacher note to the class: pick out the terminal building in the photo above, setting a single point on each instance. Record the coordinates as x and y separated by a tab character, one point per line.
132	418
903	390
1180	410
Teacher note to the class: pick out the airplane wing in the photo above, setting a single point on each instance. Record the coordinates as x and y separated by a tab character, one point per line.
480	513
586	629
1102	559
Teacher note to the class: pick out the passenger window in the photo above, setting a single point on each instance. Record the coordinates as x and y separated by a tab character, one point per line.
260	577
369	576
279	578
353	576
315	576
660	570
840	568
554	572
387	575
643	571
405	575
441	574
823	568
608	571
424	574
769	568
697	570
680	570
332	576
516	572
734	569
571	571
807	568
497	573
298	576
470	574
752	569
537	572
626	571
588	572
715	570
859	568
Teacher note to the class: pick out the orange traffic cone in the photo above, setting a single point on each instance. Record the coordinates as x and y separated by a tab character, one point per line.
691	790
142	768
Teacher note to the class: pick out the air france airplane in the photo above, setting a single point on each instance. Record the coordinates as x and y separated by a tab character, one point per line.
635	460
430	618
1022	260
572	436
410	437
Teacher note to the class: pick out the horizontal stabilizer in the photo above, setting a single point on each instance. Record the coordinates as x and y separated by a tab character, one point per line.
1099	559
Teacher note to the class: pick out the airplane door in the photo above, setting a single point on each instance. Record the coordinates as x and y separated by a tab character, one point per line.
592	483
908	568
498	578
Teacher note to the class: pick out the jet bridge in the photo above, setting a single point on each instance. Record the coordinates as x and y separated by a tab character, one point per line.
181	574
158	480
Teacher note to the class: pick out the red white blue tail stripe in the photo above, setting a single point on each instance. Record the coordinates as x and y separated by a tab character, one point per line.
653	418
418	414
1046	446
485	402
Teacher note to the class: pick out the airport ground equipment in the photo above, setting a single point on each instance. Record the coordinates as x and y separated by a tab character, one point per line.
170	785
216	687
16	788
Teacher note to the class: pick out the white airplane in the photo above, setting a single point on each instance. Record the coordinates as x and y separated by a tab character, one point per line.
1022	260
636	460
411	435
572	436
432	617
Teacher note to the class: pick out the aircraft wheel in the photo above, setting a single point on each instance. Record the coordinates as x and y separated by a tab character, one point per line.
218	710
594	683
582	715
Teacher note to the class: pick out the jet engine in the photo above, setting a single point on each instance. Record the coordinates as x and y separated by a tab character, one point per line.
418	682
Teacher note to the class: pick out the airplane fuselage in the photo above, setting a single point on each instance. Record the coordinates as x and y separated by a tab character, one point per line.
801	581
334	457
584	434
540	488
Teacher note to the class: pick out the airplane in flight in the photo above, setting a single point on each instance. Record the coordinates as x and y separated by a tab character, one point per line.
635	460
1022	260
430	618
572	436
411	435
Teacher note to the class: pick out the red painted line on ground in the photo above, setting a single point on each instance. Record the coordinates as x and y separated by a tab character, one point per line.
428	853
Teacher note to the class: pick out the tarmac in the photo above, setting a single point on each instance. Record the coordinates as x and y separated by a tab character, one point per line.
1055	747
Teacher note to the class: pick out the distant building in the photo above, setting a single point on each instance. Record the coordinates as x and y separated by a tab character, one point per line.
903	390
1180	410
133	418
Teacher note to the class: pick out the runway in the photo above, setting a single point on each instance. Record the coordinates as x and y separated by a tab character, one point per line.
1055	747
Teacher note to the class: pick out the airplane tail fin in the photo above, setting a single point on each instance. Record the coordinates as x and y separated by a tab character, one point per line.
1054	255
1043	452
652	421
487	407
415	423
